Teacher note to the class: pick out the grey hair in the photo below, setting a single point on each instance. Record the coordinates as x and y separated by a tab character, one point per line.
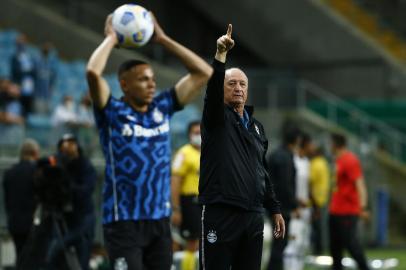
29	148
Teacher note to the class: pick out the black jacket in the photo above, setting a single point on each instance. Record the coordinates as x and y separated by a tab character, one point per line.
283	174
232	168
83	180
18	183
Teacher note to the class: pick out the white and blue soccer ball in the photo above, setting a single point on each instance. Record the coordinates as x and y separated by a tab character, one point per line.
133	24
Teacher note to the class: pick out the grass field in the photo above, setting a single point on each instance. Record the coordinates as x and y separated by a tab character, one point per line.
399	254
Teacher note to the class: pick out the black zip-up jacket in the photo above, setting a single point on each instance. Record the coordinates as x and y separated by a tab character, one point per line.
233	167
283	174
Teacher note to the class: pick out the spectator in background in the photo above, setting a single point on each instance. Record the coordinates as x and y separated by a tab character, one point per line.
11	119
299	227
10	107
85	124
85	116
18	184
64	186
283	174
185	189
23	73
319	194
46	69
348	203
82	175
64	117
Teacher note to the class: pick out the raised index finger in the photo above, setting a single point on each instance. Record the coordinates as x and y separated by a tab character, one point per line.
229	30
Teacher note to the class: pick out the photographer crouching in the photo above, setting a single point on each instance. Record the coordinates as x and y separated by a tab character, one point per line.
64	224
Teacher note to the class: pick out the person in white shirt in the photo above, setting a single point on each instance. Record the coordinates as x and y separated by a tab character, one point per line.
299	227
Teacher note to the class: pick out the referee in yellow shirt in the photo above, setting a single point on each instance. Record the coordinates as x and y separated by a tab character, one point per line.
185	189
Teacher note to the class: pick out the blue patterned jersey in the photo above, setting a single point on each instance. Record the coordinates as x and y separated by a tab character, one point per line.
137	150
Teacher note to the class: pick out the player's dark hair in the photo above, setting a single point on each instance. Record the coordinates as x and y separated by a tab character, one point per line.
129	64
191	125
339	140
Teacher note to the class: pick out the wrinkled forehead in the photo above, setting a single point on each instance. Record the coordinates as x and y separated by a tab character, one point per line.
235	74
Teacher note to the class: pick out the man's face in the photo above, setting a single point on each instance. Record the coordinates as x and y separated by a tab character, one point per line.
308	149
235	87
138	84
195	136
70	149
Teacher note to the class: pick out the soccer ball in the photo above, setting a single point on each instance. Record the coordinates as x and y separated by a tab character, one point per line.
133	24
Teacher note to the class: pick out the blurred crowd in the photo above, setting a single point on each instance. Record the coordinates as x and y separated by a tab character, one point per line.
64	216
28	92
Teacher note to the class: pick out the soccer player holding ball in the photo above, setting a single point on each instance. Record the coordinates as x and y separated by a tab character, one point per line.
134	135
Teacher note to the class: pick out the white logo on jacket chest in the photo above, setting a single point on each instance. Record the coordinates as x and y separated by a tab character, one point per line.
257	129
157	115
212	237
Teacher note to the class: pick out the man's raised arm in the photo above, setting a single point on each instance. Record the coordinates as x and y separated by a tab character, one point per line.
213	113
99	89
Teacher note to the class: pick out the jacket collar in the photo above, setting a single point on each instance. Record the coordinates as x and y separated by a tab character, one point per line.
248	108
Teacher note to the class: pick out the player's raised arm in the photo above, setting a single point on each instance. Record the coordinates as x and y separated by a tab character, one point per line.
99	89
189	86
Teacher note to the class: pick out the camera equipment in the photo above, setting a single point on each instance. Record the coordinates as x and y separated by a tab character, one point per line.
46	242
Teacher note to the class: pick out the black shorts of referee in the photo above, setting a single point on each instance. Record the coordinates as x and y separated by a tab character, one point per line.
191	211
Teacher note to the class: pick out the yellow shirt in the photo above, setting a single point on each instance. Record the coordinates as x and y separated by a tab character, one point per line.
319	180
186	165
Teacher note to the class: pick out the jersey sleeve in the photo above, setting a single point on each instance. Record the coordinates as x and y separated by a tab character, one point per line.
179	164
168	101
103	116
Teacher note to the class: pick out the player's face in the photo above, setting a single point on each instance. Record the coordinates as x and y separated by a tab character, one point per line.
138	84
235	87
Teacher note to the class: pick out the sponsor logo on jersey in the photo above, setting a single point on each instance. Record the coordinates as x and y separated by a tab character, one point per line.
140	131
157	115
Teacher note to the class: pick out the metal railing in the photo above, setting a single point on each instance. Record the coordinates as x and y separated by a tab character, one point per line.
338	111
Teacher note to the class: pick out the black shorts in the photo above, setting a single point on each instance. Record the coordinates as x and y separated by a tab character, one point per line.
145	244
191	211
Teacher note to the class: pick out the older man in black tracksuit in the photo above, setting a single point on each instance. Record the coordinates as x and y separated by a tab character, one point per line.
234	183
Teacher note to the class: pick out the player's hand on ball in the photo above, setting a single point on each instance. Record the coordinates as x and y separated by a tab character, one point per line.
159	33
108	28
225	42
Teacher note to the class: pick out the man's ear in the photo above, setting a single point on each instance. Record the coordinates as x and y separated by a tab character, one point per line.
123	85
